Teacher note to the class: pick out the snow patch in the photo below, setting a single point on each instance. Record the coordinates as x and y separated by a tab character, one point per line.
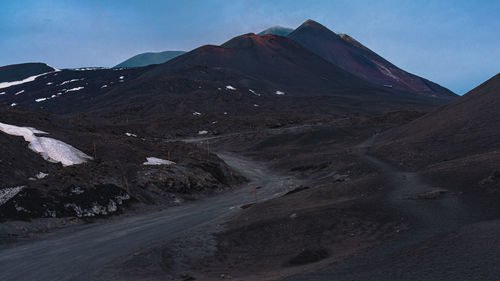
196	113
50	83
202	132
104	86
74	89
88	68
131	135
256	105
55	69
41	99
280	93
13	104
70	81
7	193
386	71
253	92
2	93
157	161
50	149
26	80
229	87
20	92
41	175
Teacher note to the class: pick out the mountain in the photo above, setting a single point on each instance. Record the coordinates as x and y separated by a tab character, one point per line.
16	72
277	30
271	60
461	138
466	126
352	56
246	77
146	59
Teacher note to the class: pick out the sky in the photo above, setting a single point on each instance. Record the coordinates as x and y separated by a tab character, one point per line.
455	43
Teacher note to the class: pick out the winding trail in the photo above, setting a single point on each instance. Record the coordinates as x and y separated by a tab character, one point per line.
429	218
78	253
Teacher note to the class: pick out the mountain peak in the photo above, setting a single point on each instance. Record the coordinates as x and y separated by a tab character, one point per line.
313	27
277	30
314	24
248	40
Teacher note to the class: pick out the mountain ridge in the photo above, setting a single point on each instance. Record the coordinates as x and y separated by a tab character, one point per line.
149	58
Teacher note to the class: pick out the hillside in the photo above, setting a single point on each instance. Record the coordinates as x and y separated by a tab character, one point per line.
16	72
146	59
461	138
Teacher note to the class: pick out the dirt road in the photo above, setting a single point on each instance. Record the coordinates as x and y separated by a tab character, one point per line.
78	253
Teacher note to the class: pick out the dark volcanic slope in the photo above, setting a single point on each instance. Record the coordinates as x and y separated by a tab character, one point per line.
67	91
16	72
249	75
253	75
265	60
350	55
116	170
465	127
146	59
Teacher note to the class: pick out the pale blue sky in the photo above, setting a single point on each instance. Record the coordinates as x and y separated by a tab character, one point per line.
454	43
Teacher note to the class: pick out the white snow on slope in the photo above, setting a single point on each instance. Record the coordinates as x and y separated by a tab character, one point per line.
55	69
50	149
386	71
157	161
2	93
20	92
202	132
13	104
253	92
70	81
7	193
229	87
26	80
280	93
50	83
41	175
196	113
74	89
131	135
41	99
88	68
